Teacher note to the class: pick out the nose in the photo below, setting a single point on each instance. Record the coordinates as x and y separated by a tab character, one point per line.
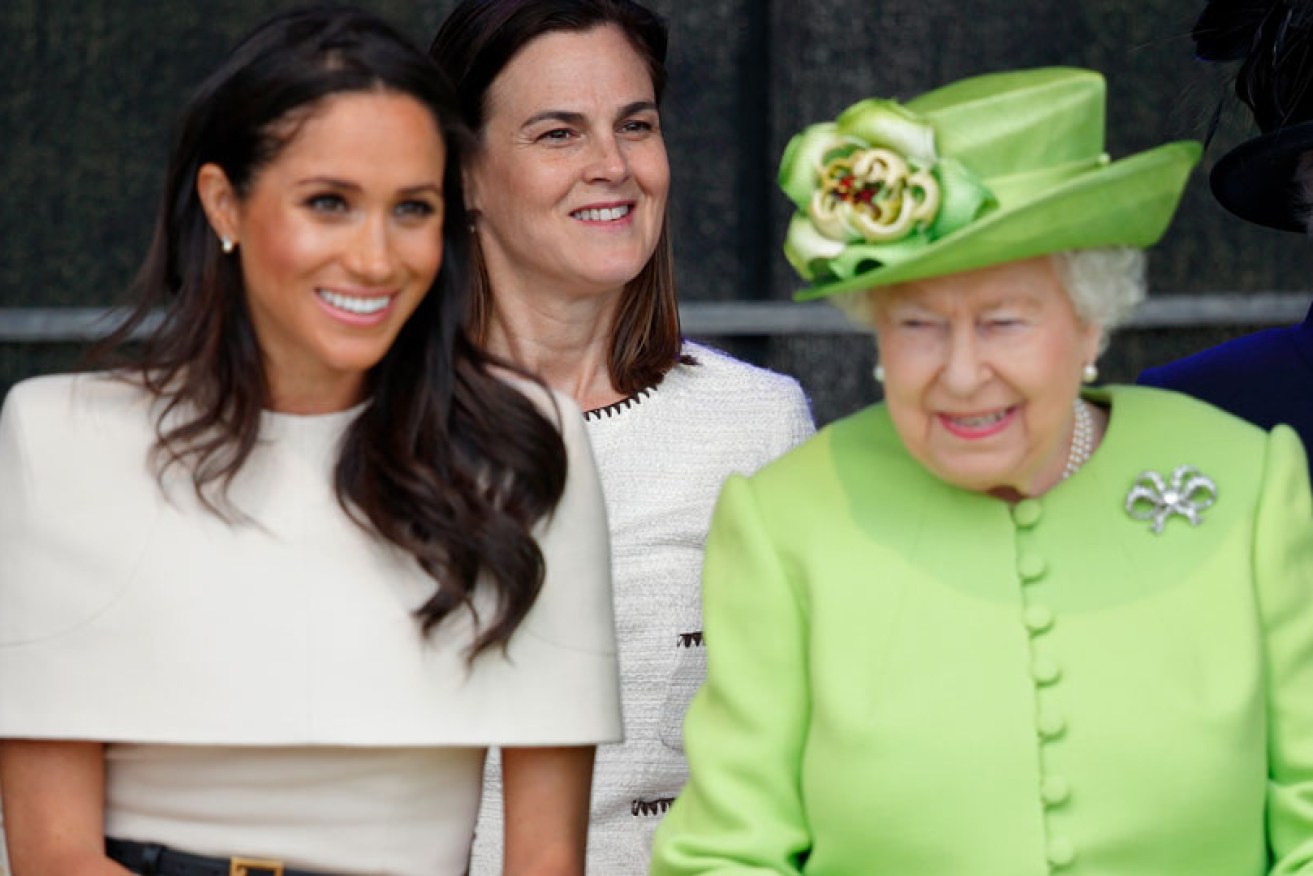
370	256
608	162
965	369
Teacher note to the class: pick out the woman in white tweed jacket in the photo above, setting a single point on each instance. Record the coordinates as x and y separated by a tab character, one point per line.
567	187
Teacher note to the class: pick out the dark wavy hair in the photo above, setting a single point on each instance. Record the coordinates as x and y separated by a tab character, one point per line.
447	461
475	42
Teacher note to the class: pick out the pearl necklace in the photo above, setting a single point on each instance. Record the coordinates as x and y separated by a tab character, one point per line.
1082	440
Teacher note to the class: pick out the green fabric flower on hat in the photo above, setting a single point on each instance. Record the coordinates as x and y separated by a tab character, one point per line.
871	188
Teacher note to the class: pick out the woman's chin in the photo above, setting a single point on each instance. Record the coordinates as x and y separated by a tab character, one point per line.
978	477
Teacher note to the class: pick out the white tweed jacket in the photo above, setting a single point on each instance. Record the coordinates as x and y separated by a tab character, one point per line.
662	456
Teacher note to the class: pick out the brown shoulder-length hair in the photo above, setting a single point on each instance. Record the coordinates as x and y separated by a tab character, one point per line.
447	461
476	41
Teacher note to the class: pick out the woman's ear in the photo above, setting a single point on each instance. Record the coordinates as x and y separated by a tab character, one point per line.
219	200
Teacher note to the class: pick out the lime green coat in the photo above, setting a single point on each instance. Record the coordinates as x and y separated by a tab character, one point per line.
909	679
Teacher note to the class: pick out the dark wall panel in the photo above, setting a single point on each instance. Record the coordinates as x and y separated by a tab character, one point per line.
92	87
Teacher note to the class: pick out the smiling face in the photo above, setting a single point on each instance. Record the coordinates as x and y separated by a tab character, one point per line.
570	179
340	238
982	369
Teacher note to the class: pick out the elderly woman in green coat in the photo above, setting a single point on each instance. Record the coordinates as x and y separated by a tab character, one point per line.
999	625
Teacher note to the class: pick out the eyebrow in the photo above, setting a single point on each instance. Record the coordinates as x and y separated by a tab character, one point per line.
637	106
1012	299
333	182
573	118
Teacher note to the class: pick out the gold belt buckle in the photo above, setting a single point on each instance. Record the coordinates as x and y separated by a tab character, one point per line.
254	867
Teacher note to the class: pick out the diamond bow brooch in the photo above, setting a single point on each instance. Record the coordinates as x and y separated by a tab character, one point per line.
1188	494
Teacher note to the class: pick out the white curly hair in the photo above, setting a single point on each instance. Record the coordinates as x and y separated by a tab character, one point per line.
1104	285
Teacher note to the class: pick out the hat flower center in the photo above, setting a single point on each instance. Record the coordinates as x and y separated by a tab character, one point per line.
873	195
871	188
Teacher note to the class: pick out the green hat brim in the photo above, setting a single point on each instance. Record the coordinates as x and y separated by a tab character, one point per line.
1129	202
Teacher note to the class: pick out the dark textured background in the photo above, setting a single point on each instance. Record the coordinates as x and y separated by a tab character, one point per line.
92	88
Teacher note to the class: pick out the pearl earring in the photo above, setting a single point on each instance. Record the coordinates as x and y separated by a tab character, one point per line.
226	244
878	371
1089	373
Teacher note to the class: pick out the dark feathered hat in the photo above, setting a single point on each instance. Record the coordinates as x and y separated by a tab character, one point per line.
1273	40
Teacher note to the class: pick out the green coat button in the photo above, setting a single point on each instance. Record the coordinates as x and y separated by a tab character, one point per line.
1044	670
1031	567
1055	791
1050	724
1061	852
1037	618
1027	512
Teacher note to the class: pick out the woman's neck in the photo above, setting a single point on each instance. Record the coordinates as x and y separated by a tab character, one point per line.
1068	458
293	391
565	342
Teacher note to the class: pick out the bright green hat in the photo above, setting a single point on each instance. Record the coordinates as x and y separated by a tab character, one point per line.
992	169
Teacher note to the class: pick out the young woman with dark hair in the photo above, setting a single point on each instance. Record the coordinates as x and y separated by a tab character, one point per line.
272	583
566	187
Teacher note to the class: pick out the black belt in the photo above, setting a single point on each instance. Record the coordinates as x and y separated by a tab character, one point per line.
150	859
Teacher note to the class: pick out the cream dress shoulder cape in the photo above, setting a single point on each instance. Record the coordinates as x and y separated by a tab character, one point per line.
128	613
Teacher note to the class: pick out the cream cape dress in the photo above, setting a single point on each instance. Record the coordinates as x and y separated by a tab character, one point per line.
264	687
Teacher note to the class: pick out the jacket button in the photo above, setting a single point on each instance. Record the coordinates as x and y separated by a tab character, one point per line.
1044	670
1027	512
1055	791
1031	567
1061	852
1050	724
1037	618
